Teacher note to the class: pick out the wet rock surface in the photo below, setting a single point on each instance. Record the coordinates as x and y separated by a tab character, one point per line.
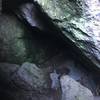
72	90
79	22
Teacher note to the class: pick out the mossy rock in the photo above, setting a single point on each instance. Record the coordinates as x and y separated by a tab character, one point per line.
19	44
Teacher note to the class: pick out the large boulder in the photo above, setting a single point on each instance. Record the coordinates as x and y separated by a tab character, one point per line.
72	90
18	44
79	21
30	77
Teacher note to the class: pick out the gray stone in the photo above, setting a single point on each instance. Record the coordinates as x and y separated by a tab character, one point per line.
18	44
79	21
30	77
72	90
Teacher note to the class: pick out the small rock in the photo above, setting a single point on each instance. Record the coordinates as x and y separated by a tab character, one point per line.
72	90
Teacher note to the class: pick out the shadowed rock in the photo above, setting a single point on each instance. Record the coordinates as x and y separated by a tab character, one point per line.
19	44
26	82
6	72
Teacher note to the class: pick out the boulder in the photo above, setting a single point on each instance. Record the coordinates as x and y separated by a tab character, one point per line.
72	90
79	24
30	77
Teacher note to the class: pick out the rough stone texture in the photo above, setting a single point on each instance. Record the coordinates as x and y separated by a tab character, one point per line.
26	82
79	22
30	77
18	45
6	71
72	90
30	13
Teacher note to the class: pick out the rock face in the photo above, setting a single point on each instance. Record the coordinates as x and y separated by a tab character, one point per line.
79	22
26	82
12	44
29	13
30	77
18	44
72	90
